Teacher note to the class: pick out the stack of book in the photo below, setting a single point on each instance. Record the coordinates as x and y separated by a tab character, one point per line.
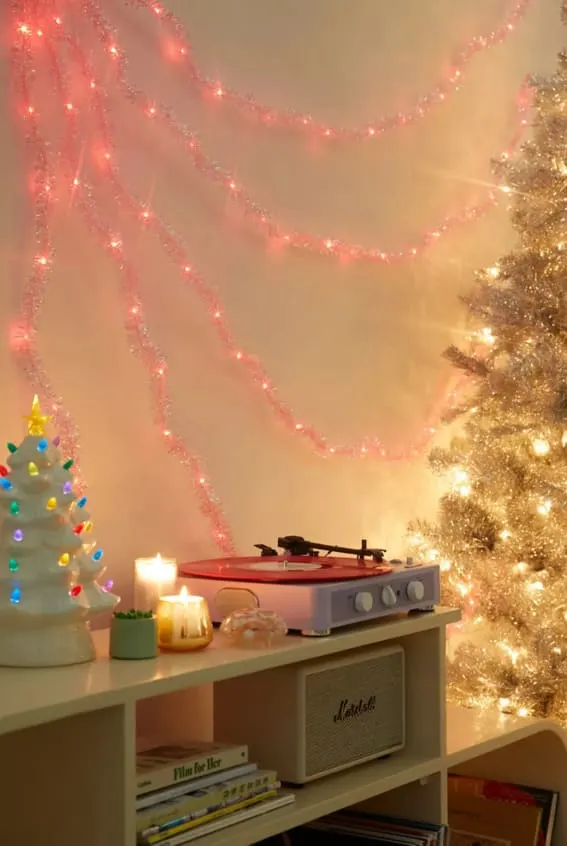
490	812
192	789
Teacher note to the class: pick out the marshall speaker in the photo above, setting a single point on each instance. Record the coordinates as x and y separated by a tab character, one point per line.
315	718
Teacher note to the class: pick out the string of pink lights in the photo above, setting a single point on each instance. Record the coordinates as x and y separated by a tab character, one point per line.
370	447
24	333
178	51
47	31
83	200
264	220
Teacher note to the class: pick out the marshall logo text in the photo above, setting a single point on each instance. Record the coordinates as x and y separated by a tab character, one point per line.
349	710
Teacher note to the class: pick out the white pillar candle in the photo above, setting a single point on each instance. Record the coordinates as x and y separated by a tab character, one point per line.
184	622
152	578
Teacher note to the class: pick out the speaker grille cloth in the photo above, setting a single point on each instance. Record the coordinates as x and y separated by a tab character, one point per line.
331	744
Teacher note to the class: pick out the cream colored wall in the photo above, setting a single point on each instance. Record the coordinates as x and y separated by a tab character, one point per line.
354	348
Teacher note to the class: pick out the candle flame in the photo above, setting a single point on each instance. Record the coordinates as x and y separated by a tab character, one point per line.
184	595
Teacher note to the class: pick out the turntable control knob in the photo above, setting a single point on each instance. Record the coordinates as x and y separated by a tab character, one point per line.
363	602
415	591
388	596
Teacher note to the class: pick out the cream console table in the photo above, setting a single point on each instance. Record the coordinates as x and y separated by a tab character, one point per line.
68	738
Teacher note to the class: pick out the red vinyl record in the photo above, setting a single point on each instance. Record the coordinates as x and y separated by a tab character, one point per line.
292	569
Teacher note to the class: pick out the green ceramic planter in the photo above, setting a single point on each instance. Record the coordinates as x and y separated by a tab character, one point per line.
133	639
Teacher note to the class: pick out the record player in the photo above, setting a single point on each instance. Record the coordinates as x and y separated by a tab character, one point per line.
313	592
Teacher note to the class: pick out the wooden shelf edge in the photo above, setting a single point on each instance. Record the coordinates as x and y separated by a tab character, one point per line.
43	695
472	733
324	797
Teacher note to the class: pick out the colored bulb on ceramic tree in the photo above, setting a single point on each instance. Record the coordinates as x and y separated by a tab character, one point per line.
109	585
18	536
75	591
15	596
12	448
56	441
13	565
42	445
97	555
78	529
3	470
68	464
82	502
5	483
51	503
64	559
14	507
32	469
68	488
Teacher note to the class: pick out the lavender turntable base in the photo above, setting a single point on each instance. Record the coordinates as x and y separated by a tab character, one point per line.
314	595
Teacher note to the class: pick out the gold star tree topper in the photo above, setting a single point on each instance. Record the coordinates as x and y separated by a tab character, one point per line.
36	420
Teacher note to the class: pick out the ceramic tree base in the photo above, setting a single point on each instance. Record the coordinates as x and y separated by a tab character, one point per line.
46	646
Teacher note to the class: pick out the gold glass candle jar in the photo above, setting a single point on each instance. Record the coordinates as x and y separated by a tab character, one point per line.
184	622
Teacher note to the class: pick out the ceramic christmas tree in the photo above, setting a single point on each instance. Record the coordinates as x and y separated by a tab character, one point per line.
45	608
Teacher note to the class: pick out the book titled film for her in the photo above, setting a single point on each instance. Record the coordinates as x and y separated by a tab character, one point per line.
165	765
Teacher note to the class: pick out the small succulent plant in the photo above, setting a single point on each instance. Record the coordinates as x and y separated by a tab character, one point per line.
133	614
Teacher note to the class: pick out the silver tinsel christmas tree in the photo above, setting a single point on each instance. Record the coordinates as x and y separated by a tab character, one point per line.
501	533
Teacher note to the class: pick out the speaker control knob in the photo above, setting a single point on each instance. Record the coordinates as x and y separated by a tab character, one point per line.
363	602
388	596
415	591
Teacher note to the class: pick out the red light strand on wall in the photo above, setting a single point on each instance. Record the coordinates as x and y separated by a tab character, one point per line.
154	362
178	51
370	447
262	219
24	332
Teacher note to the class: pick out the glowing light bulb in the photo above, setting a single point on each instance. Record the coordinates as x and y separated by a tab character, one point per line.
540	446
535	586
523	712
504	703
486	335
505	534
544	507
464	490
63	559
494	272
444	565
520	567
